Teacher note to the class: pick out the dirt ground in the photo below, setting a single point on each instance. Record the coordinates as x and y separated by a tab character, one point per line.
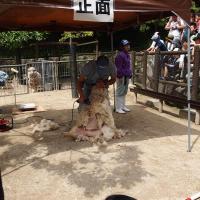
150	163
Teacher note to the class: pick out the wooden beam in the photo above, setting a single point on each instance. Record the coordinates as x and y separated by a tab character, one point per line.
195	78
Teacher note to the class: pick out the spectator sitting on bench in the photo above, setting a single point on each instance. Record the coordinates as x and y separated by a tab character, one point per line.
172	63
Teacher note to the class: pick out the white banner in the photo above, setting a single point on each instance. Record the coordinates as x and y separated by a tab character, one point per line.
94	10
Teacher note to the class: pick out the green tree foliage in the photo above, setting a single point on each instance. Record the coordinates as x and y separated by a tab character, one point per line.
195	6
73	35
161	22
18	39
158	23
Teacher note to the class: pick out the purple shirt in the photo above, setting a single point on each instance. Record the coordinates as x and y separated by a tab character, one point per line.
123	64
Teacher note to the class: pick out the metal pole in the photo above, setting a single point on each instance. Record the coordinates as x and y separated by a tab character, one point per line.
74	71
189	92
87	43
112	51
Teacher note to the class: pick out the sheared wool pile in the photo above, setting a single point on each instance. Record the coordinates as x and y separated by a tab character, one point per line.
95	123
44	125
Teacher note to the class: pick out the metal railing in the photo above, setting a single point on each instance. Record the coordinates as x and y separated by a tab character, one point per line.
147	70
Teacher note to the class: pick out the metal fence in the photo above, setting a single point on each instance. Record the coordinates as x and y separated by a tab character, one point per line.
16	82
55	75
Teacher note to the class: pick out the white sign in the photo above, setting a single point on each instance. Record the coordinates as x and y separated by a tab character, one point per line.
94	10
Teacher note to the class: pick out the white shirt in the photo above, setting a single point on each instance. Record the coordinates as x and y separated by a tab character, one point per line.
174	31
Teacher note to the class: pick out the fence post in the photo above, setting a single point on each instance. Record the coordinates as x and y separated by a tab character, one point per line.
43	76
144	76
36	51
133	65
195	78
74	71
27	79
156	71
56	75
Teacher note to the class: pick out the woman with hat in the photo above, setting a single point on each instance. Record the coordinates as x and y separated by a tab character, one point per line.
124	73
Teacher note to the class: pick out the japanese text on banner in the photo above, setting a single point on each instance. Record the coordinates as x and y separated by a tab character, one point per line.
94	10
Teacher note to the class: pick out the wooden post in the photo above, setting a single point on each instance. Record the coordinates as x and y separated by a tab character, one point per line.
97	49
160	106
156	71
195	78
133	65
113	61
144	76
74	70
197	117
36	51
135	97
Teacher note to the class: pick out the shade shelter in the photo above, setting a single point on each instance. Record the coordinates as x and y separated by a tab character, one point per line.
57	15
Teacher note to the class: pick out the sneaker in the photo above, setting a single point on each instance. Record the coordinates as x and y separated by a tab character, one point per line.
126	109
120	111
161	78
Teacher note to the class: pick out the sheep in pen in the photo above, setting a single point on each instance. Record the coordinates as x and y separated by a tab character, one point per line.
95	122
34	79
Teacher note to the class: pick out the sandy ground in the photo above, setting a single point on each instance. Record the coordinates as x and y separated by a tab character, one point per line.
151	163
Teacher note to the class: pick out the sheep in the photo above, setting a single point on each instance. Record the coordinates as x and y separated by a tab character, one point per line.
34	79
95	123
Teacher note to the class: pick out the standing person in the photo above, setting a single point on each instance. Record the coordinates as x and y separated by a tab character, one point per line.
94	108
175	27
124	73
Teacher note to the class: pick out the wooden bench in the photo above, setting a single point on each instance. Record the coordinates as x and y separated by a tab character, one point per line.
165	97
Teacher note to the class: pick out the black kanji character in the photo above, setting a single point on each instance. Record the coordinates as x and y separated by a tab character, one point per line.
103	7
84	8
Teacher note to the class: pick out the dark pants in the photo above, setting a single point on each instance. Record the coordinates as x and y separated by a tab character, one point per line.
1	189
2	83
119	197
